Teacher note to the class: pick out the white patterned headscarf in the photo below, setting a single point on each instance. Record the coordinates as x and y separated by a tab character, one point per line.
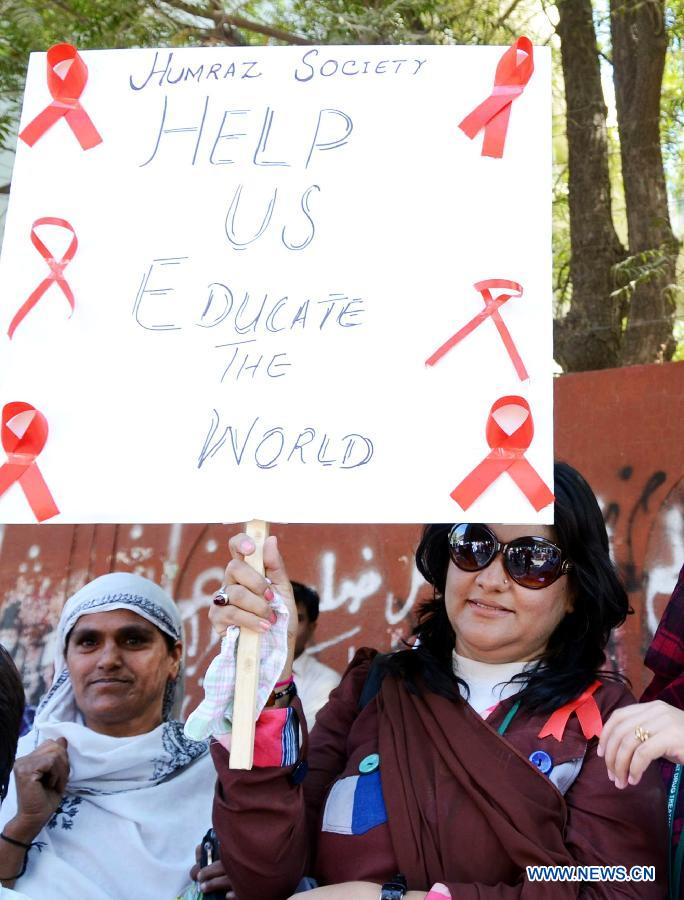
118	590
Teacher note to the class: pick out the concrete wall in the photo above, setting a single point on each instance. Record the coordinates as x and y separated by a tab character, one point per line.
622	428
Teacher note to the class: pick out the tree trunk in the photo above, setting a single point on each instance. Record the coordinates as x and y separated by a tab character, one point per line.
589	336
640	41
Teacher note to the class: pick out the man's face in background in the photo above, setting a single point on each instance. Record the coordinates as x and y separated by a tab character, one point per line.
305	630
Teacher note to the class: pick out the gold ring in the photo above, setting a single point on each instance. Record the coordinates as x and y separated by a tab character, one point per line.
641	734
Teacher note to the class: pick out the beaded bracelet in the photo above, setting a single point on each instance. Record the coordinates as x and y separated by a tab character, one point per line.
289	691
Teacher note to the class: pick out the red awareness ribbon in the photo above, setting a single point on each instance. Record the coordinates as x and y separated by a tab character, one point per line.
65	92
494	112
57	267
587	712
22	452
507	455
491	309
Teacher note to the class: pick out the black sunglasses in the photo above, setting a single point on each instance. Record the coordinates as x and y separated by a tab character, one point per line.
532	562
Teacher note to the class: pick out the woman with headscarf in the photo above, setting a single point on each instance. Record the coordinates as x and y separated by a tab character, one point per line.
466	765
107	791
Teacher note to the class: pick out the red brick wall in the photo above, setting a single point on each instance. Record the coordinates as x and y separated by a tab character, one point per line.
622	428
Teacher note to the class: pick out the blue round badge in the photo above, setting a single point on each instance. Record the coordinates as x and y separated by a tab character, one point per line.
369	763
542	760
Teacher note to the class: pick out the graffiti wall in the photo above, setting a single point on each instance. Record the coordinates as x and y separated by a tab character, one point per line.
622	428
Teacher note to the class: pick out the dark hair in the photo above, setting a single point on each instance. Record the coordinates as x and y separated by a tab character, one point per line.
169	640
308	598
575	651
11	711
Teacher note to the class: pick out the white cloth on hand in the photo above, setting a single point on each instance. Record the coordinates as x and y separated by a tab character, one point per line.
214	715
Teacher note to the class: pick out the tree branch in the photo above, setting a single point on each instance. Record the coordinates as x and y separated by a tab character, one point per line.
502	18
213	13
278	34
190	9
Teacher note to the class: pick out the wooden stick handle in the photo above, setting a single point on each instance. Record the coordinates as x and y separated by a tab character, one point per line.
247	671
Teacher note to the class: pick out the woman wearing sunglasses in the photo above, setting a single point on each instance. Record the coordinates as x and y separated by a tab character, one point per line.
448	768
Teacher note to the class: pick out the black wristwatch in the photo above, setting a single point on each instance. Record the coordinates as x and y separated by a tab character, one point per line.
394	889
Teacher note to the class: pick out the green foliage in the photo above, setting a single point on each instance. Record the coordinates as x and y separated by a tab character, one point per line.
405	21
641	268
672	110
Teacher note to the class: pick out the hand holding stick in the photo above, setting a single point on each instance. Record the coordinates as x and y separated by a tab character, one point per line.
254	574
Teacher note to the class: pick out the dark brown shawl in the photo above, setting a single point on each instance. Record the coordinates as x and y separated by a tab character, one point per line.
461	800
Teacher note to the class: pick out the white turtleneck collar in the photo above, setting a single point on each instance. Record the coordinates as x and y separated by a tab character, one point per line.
488	682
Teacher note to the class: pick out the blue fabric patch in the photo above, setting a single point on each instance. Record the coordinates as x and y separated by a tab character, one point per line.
369	804
355	805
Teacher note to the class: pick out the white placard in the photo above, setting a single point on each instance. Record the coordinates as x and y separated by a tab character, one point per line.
271	244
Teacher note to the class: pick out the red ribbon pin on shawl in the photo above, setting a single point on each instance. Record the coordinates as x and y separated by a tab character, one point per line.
65	90
494	112
57	267
507	455
587	712
24	433
492	305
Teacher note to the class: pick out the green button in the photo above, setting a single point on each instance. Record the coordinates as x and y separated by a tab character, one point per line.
369	763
